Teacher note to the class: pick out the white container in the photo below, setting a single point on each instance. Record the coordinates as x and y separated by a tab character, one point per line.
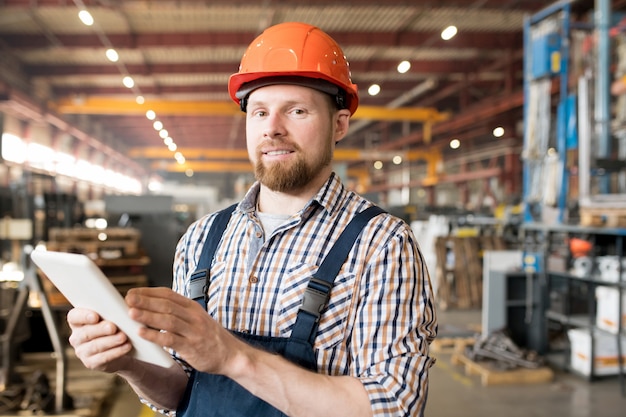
605	354
609	268
607	308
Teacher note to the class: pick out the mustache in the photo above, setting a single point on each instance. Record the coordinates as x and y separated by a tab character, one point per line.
276	143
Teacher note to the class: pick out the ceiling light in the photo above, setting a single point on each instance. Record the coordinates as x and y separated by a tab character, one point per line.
448	33
151	115
140	100
378	165
373	90
397	160
157	125
404	66
85	17
168	140
455	144
112	55
172	147
189	172
163	133
128	81
498	132
155	185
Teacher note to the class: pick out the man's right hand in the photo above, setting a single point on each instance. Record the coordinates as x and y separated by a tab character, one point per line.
98	343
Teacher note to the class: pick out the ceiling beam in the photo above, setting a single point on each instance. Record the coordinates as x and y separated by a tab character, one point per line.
202	166
418	67
498	4
487	39
480	111
112	106
340	154
17	102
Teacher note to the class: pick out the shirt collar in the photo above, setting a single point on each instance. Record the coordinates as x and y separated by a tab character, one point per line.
328	196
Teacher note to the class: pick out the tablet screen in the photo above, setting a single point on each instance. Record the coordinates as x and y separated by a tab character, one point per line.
84	285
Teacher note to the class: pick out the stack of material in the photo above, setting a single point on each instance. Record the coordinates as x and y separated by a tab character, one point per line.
603	217
459	269
123	241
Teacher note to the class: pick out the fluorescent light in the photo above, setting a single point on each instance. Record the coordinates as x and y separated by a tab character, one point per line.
85	17
128	82
448	33
14	149
404	66
155	185
112	55
373	90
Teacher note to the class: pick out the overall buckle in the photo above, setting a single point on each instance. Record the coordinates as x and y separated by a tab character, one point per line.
316	297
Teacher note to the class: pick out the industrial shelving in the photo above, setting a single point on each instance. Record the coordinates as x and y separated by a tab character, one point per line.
569	292
574	172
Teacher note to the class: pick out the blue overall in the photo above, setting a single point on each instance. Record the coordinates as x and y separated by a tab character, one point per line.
209	395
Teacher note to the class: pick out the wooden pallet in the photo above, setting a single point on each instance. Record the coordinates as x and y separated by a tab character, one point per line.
489	376
451	344
602	217
83	240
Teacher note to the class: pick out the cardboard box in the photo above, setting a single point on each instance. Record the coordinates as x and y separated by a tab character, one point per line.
607	308
605	352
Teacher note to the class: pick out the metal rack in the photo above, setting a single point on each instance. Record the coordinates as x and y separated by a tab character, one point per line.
574	149
551	260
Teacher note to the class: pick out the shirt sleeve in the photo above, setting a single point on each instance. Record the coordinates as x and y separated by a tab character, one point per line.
396	321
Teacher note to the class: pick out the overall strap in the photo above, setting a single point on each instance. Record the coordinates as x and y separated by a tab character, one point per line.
317	294
201	277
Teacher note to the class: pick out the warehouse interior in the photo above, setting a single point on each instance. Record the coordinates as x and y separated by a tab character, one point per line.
495	128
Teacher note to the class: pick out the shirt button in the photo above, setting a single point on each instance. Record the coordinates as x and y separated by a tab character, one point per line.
253	280
259	234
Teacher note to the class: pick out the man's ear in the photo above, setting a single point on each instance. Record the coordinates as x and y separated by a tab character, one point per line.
342	123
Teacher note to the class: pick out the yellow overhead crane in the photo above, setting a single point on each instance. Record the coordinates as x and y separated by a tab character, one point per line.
236	160
98	105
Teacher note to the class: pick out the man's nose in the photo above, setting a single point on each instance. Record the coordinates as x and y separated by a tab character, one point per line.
274	126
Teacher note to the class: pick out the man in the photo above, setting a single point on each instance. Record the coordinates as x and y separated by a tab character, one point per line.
368	352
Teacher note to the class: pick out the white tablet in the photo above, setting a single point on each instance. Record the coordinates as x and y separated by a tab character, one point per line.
84	285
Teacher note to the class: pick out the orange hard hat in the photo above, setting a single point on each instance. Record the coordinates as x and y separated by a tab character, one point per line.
295	53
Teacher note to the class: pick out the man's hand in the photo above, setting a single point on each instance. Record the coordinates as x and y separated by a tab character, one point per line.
181	324
98	343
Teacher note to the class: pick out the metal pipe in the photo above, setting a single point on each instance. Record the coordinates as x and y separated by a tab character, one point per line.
602	17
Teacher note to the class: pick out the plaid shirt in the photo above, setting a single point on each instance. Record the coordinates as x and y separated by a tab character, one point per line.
380	318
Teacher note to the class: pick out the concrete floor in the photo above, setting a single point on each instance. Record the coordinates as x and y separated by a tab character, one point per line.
453	393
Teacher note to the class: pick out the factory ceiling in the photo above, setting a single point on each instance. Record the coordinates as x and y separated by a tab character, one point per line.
181	53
